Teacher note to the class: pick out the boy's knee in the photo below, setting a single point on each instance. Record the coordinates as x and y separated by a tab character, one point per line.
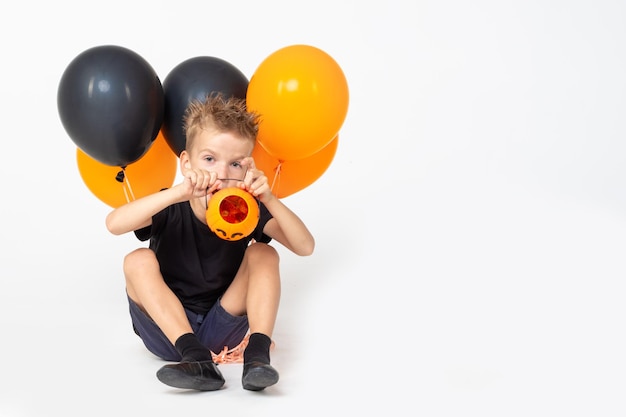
138	259
262	252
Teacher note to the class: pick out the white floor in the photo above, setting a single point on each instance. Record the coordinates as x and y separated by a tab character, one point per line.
470	230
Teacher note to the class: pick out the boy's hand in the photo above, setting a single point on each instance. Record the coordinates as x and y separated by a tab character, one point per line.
255	181
199	183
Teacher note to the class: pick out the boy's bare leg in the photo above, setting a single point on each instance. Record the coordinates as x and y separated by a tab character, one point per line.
146	287
256	291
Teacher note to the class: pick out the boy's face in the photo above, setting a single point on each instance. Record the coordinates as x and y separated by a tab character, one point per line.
219	152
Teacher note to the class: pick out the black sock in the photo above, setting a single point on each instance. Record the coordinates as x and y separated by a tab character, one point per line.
191	349
258	349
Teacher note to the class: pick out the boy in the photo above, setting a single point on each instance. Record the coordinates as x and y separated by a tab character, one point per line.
192	293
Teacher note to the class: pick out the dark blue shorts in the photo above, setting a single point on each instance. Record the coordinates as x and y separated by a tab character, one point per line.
216	329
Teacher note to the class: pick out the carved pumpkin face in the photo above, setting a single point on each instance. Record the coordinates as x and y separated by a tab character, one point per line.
232	213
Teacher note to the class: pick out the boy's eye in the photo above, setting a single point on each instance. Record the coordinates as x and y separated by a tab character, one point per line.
237	164
208	158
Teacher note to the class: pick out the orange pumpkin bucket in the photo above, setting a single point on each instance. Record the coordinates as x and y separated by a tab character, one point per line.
232	213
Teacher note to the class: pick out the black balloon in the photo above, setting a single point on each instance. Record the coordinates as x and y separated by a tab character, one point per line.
194	79
111	104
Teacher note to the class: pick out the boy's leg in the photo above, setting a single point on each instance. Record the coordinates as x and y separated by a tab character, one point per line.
150	334
147	289
255	291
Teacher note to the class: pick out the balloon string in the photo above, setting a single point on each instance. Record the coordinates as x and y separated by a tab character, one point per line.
125	193
276	175
122	178
130	189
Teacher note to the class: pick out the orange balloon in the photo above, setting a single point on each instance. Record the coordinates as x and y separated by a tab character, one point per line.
289	177
152	172
301	94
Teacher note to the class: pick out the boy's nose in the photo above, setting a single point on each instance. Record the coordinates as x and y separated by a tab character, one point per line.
221	171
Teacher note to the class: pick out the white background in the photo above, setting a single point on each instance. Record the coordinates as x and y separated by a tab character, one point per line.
470	229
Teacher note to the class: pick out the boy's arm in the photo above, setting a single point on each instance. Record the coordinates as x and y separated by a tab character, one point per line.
288	229
138	213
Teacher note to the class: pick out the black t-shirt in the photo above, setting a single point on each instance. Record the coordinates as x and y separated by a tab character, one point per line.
195	263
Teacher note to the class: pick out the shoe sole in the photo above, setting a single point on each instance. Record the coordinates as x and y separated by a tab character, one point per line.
177	379
259	378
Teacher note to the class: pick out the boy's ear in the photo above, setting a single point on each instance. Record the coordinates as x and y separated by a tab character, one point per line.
185	163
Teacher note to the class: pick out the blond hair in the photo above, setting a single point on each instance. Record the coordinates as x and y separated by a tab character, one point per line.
222	114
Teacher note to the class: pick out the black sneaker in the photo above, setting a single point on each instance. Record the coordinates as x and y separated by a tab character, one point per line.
258	376
201	376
